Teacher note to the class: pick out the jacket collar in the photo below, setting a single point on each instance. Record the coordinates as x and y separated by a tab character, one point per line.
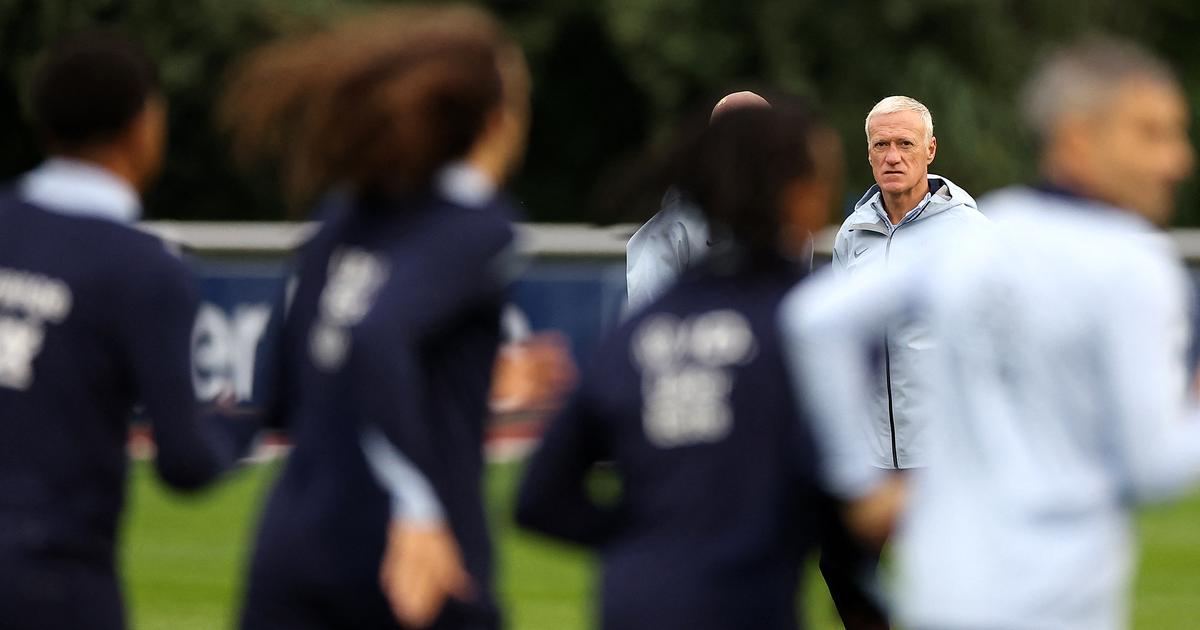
944	194
465	185
80	188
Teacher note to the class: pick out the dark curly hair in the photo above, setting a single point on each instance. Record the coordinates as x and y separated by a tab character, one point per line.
378	101
738	168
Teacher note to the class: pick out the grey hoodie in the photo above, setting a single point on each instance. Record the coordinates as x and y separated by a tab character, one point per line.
868	240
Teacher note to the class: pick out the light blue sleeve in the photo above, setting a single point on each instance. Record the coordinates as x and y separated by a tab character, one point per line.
1156	437
413	497
663	248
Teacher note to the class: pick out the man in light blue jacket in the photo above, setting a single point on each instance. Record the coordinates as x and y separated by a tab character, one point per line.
907	213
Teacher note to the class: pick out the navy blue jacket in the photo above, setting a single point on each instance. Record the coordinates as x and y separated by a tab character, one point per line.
393	328
95	316
690	402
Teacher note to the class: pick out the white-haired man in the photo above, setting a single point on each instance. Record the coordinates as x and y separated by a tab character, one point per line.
1061	376
907	213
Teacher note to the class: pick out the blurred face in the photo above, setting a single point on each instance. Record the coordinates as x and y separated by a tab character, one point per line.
897	151
1136	151
500	149
514	72
807	202
147	141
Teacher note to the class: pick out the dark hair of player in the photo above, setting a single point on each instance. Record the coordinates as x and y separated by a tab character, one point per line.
88	88
378	101
738	169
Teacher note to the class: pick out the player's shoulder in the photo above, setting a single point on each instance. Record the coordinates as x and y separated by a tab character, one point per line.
97	241
454	224
676	217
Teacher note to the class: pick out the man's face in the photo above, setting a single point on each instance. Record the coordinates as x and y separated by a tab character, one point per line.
897	151
1138	150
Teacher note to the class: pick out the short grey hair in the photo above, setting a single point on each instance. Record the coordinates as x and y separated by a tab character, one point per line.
893	104
1082	77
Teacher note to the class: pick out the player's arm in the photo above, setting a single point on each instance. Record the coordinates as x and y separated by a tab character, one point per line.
193	448
830	325
423	293
1156	437
271	373
422	565
553	497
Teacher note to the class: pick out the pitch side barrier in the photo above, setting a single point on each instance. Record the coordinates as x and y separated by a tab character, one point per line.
575	283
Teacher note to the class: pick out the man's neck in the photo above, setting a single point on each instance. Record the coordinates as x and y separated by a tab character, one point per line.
898	205
110	160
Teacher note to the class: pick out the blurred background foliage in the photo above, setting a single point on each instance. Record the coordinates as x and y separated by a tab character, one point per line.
612	76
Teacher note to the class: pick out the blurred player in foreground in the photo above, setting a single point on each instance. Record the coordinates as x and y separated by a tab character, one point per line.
1060	399
420	114
677	239
689	399
95	316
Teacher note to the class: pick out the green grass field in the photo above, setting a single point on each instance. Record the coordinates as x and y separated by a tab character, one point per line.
183	561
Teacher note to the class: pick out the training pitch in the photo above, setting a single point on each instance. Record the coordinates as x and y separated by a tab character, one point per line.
183	560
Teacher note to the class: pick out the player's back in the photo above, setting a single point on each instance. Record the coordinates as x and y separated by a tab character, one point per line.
80	300
690	402
1031	476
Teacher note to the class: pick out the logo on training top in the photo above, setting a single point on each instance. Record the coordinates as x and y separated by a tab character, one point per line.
687	374
28	302
355	276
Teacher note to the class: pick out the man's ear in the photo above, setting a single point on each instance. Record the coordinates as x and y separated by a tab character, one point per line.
144	140
932	148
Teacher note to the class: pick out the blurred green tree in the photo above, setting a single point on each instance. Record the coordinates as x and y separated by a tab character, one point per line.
612	76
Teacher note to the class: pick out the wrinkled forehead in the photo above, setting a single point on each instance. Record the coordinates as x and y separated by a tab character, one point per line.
896	126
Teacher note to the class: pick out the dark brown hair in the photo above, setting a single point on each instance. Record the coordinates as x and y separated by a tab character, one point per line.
378	101
738	168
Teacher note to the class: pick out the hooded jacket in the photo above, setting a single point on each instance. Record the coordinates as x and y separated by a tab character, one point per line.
868	240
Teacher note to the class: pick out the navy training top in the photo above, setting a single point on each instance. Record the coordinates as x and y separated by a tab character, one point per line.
392	329
95	316
690	401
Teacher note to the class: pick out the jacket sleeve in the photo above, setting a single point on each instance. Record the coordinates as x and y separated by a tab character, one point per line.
1156	436
192	450
425	291
830	324
553	497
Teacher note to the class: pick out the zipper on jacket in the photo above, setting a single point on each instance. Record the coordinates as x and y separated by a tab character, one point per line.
887	351
887	357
